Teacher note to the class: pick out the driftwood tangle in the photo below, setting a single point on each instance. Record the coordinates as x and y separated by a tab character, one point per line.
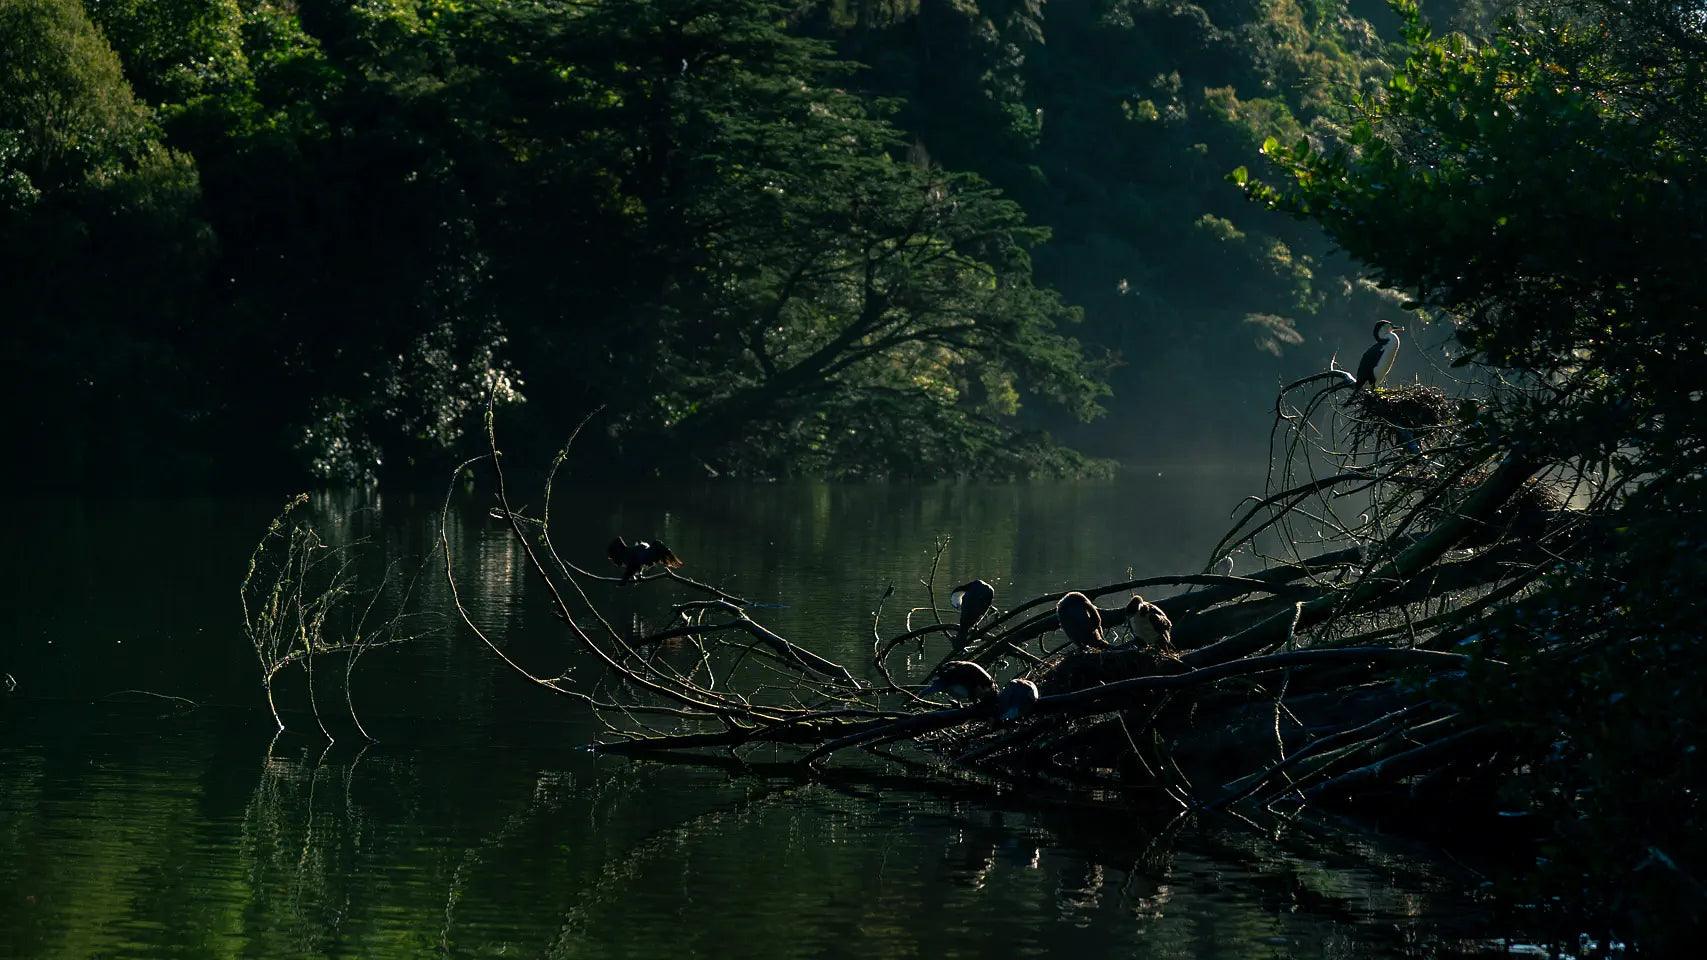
1322	676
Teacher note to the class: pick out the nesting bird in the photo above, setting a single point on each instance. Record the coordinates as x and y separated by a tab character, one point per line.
1149	625
1378	360
1081	621
1017	699
973	600
637	556
963	680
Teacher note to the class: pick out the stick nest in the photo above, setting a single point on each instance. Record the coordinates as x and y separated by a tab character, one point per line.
1411	407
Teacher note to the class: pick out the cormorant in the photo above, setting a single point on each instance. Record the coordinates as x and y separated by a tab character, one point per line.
1017	699
1081	621
1149	625
973	600
962	680
1377	360
637	556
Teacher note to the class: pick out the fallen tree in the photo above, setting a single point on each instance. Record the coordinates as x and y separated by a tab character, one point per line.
1487	598
1333	674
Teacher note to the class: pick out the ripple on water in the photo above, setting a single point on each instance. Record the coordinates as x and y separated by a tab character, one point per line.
142	836
142	830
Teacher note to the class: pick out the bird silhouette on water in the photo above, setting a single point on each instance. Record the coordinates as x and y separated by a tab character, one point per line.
971	684
1017	699
1081	621
637	556
973	600
963	680
1149	625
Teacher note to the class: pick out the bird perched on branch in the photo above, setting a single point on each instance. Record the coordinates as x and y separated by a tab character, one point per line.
637	556
973	600
1017	699
1149	625
1081	621
1377	360
963	680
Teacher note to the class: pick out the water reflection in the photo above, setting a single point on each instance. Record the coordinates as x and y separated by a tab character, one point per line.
133	834
148	587
475	828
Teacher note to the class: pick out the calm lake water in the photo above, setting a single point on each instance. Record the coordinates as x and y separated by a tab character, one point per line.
148	810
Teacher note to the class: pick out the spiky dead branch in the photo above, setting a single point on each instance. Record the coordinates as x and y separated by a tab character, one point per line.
1391	527
303	602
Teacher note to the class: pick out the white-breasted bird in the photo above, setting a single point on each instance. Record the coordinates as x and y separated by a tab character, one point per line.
1378	360
637	556
973	600
1149	625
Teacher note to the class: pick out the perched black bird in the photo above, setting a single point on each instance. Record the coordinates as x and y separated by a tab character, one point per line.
1377	360
1017	699
1081	621
637	556
1149	625
973	600
963	680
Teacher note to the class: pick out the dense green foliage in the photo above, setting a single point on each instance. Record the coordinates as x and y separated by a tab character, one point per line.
246	238
1547	189
102	247
793	296
1113	122
331	228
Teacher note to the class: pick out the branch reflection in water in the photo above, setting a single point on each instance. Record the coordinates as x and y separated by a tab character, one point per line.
619	859
152	829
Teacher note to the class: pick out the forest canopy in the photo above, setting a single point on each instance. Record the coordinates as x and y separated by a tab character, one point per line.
255	239
1545	189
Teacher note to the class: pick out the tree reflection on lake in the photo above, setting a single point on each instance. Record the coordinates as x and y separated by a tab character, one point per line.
140	826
